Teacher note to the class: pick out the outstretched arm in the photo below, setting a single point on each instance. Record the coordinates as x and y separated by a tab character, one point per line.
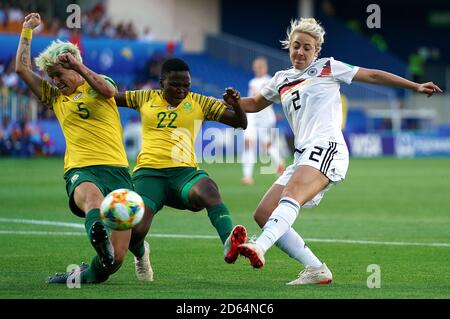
120	99
254	104
96	81
235	117
23	59
389	79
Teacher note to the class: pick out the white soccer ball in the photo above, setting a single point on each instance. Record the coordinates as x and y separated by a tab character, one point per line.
122	209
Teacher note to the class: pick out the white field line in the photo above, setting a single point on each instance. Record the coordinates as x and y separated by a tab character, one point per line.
40	222
35	232
81	226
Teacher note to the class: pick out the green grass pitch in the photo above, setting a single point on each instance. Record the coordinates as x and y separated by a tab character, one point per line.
389	212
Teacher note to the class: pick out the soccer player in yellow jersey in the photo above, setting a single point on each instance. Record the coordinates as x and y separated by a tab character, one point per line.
167	172
95	162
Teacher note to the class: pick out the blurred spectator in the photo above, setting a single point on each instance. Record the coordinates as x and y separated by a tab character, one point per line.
98	10
63	33
328	8
10	78
170	49
152	70
15	14
146	35
95	23
2	67
126	31
3	16
148	85
5	136
416	65
94	20
55	27
20	137
130	32
88	23
24	139
39	142
109	30
120	30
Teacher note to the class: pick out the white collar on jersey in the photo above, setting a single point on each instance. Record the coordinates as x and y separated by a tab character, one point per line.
307	68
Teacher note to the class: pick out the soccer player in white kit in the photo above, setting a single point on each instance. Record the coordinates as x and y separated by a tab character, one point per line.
260	126
309	94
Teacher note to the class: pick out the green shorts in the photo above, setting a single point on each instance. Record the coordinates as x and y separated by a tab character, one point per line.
106	178
167	186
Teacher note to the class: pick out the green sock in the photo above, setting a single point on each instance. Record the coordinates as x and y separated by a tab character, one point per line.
91	217
96	273
221	220
137	249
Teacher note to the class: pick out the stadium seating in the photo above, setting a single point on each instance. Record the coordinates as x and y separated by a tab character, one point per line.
211	76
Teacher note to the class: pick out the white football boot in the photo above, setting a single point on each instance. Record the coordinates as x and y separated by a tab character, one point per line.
143	268
313	275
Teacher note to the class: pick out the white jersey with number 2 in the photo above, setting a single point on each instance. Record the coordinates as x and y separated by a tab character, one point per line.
312	104
311	100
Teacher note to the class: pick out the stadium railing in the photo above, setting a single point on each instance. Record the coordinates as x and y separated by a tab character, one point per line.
241	52
17	106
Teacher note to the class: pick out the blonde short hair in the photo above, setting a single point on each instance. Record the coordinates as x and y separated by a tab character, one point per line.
306	25
47	58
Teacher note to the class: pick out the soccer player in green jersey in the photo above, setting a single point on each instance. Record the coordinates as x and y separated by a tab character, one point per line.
167	172
95	162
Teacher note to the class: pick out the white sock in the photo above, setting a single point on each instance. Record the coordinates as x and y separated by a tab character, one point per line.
294	245
248	162
279	222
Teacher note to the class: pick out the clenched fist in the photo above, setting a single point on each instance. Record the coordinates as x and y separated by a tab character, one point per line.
32	21
68	61
231	96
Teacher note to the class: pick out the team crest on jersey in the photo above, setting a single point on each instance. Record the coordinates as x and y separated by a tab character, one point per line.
78	96
74	178
92	93
312	72
187	106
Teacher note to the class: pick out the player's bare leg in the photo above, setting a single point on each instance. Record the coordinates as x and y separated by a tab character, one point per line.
110	248
268	204
205	194
120	240
290	242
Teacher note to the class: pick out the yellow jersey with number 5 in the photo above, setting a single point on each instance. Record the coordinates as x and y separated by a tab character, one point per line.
168	132
90	124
